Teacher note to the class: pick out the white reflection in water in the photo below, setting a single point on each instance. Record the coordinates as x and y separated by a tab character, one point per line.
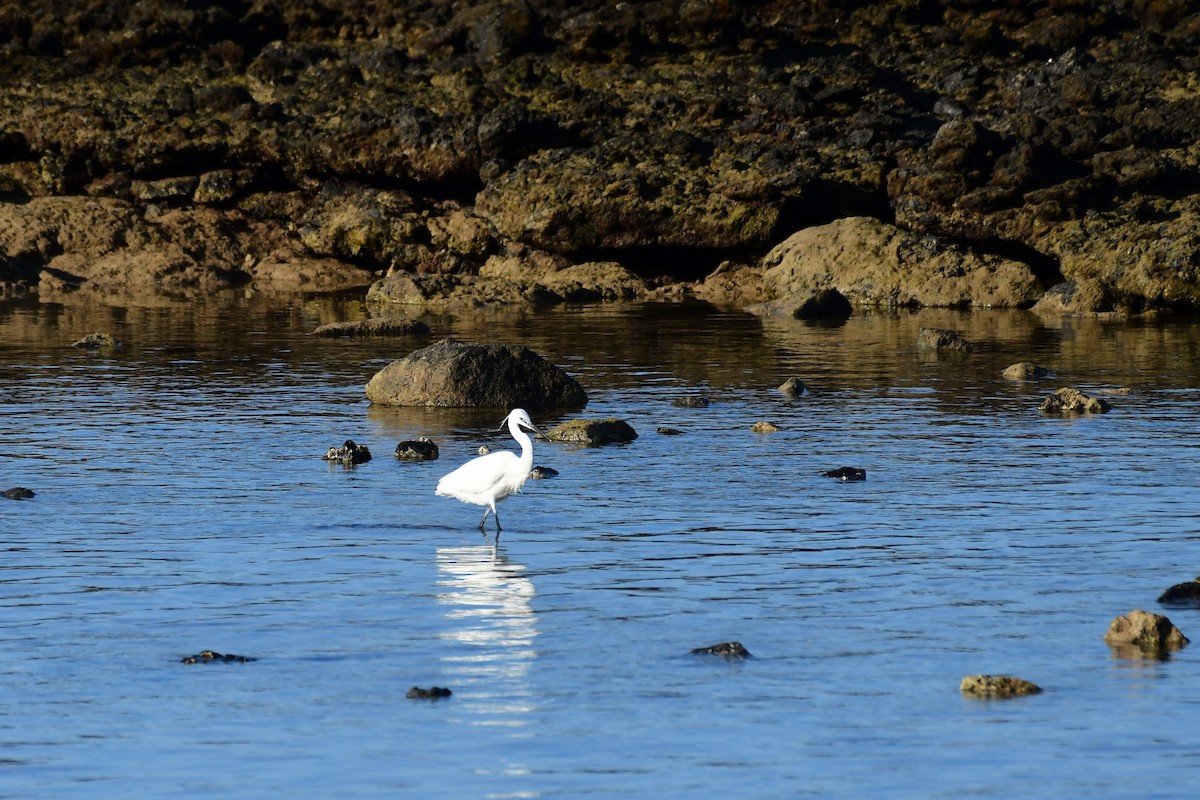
488	603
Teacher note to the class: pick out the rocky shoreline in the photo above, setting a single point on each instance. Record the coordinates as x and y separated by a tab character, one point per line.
452	155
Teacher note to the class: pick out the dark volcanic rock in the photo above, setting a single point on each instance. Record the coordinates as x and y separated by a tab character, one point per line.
593	431
213	657
1186	593
847	474
432	693
417	450
733	650
451	373
348	454
18	493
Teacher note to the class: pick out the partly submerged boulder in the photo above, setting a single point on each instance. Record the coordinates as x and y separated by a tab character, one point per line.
381	326
1145	633
997	686
731	650
1026	371
1186	593
593	431
423	449
1072	401
348	454
450	373
942	340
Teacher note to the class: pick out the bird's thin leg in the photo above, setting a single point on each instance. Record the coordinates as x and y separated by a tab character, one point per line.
486	511
496	514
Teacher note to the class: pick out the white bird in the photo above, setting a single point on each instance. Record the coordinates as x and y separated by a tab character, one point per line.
488	479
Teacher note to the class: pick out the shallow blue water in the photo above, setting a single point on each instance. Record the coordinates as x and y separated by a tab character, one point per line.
183	505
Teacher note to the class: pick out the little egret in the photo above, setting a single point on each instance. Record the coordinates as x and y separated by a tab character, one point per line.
488	479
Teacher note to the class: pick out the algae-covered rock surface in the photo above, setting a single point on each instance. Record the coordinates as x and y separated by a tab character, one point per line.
937	154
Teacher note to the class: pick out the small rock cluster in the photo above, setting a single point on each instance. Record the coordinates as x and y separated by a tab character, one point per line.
348	454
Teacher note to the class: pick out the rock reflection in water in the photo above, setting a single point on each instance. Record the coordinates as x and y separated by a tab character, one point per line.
488	605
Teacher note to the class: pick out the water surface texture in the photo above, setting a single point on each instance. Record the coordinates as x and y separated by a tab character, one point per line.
182	505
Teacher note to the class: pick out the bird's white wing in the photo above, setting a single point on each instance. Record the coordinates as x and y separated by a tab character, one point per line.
479	475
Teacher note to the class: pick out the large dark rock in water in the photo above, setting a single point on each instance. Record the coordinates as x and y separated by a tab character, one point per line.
593	431
1186	593
451	373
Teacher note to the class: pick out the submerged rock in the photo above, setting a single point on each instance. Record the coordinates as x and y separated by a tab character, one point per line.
941	340
593	431
373	327
451	373
96	341
825	305
1026	371
422	449
997	686
348	454
847	474
792	388
18	493
541	473
1072	401
213	657
1152	634
732	650
762	426
668	431
432	693
691	401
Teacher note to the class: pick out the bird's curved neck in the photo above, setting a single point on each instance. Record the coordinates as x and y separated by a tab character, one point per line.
524	440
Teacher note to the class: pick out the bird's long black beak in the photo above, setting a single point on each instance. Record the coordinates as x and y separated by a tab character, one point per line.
536	430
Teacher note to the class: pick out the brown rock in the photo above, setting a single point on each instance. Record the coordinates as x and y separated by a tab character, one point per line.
1026	371
873	263
451	373
1072	401
1151	634
942	340
997	686
792	388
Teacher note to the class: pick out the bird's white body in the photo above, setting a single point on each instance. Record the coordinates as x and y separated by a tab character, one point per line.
488	479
